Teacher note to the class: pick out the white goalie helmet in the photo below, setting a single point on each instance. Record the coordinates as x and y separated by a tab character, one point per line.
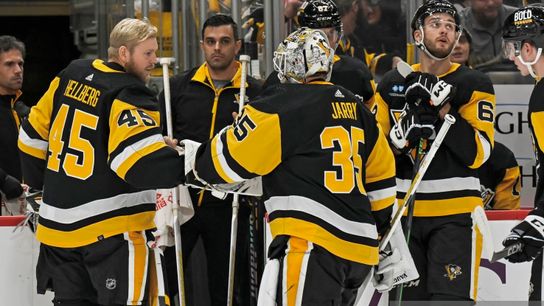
304	53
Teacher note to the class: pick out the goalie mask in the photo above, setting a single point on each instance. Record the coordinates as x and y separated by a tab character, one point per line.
304	53
524	25
426	10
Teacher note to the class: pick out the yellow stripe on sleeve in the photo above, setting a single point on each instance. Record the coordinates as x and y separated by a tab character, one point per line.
537	120
40	114
125	121
260	151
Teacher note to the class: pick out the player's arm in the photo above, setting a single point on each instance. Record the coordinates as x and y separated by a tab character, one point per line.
507	192
251	148
34	136
380	109
379	175
471	138
137	152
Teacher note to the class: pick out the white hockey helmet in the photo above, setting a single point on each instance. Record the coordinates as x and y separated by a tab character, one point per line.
304	53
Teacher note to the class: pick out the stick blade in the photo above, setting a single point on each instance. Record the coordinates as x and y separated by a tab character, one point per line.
507	251
404	68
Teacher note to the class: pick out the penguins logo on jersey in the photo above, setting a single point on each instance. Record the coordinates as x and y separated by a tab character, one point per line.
452	271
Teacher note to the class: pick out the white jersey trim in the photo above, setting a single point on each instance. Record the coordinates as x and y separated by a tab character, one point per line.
94	208
32	142
486	146
133	149
381	194
231	174
441	185
309	206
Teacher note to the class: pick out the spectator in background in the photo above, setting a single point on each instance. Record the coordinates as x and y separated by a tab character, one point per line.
500	181
381	27
484	19
12	54
461	52
349	44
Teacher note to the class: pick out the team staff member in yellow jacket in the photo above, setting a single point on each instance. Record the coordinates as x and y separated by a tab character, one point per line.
203	100
442	233
94	143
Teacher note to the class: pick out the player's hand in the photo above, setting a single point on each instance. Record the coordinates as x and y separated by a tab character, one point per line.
171	142
530	232
406	133
384	273
418	88
10	186
427	90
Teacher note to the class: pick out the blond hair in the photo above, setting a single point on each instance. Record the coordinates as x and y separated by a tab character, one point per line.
129	32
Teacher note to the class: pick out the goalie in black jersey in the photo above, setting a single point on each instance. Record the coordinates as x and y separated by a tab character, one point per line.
93	143
524	44
445	245
327	173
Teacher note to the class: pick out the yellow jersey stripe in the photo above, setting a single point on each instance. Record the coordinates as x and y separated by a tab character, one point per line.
348	250
33	147
90	234
296	252
437	208
220	164
99	65
40	115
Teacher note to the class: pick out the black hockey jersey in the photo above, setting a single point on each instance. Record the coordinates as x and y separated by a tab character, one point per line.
450	185
536	124
328	172
500	179
96	131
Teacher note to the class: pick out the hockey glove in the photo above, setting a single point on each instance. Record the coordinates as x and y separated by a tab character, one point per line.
385	272
10	186
530	232
427	89
406	133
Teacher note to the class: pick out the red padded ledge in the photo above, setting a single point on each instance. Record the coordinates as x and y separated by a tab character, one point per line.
10	220
507	214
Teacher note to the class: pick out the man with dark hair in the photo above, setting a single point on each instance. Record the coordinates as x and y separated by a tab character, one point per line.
203	100
444	241
12	55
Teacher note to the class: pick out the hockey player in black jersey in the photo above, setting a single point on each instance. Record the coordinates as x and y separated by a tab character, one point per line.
524	43
347	71
445	245
327	173
93	143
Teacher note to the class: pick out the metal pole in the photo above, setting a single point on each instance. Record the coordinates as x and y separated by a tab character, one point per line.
175	34
203	16
184	33
236	10
411	8
145	9
274	31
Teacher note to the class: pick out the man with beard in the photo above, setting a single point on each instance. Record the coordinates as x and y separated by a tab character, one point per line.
484	19
93	143
12	55
203	100
411	111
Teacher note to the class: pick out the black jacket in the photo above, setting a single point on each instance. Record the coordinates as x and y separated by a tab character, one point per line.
9	132
200	110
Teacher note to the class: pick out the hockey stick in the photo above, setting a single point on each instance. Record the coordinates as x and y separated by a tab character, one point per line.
449	120
244	60
507	251
165	62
